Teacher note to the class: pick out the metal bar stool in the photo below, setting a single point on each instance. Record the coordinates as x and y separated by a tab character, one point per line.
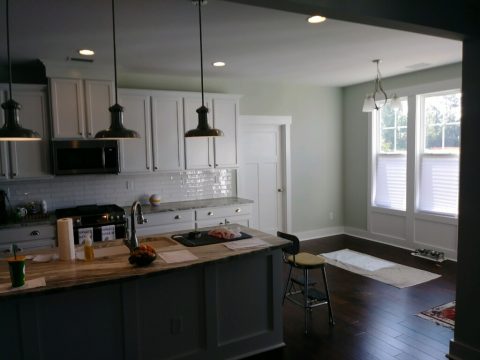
301	291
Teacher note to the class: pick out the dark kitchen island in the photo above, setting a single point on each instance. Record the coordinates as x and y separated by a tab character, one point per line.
226	304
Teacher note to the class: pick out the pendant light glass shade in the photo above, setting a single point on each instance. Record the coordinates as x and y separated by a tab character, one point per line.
202	129
395	103
12	130
378	98
116	131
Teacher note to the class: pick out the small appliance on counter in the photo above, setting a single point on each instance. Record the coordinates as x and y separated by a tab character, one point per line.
99	222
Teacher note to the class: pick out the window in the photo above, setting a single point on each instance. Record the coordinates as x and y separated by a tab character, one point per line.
440	115
391	157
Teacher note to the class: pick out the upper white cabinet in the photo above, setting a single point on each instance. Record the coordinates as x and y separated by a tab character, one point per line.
168	132
136	154
205	153
198	151
80	107
158	117
24	160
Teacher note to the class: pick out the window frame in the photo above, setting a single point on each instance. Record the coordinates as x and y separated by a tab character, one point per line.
421	152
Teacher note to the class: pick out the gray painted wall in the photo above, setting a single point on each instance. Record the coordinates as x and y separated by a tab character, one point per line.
316	138
355	137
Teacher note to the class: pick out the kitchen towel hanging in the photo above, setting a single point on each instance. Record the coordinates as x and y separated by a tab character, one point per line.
66	247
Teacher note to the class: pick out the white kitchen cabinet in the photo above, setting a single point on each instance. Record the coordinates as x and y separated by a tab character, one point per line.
167	221
218	152
80	107
158	117
198	151
25	160
28	237
136	154
167	132
217	216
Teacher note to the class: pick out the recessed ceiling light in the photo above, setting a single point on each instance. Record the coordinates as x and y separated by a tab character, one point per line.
219	63
86	52
316	19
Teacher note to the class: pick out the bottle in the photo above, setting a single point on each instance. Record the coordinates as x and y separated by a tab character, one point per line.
88	248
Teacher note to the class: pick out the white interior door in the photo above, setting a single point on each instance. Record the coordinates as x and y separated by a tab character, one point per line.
261	174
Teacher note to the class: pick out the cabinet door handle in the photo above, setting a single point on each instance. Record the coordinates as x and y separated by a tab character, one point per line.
155	167
220	223
89	134
238	210
80	133
209	165
210	213
227	222
216	165
148	167
35	233
177	217
14	174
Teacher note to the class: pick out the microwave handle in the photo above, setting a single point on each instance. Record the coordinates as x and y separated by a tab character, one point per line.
103	157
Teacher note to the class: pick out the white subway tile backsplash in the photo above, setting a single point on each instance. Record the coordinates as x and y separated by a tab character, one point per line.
122	190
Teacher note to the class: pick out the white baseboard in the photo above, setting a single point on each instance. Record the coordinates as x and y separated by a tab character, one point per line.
383	239
319	233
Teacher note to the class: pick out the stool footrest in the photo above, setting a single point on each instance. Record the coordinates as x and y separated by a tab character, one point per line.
316	295
301	281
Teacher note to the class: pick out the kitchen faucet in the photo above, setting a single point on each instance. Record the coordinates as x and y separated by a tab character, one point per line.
136	209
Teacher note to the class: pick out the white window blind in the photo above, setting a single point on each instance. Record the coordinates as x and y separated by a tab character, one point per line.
391	181
439	184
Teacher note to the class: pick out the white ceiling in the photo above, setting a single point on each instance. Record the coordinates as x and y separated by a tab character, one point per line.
161	36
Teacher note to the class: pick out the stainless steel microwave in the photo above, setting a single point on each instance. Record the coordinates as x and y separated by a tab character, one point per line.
74	157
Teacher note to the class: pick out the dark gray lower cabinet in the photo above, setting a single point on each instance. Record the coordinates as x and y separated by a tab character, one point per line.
218	310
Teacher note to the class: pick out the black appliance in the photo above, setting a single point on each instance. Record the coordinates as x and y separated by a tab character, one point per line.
3	207
103	222
85	157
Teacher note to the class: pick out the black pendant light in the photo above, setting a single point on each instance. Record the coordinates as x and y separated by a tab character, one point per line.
116	129
12	130
203	129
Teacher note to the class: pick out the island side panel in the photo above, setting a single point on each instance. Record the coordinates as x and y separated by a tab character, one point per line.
248	311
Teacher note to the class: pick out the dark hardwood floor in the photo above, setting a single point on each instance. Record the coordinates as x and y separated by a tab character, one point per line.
374	321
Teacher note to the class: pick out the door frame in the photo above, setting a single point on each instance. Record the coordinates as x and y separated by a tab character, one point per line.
284	122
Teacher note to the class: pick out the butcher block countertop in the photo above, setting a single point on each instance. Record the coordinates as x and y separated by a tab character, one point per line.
61	275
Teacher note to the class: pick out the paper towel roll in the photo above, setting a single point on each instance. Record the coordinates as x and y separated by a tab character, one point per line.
66	246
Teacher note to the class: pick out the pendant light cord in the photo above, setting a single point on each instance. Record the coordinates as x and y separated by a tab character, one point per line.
201	45
8	56
114	52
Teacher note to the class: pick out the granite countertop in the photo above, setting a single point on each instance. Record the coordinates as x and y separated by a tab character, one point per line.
60	275
50	219
192	204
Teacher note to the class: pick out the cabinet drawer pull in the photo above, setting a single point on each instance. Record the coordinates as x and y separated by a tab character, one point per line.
35	233
177	217
210	213
238	210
